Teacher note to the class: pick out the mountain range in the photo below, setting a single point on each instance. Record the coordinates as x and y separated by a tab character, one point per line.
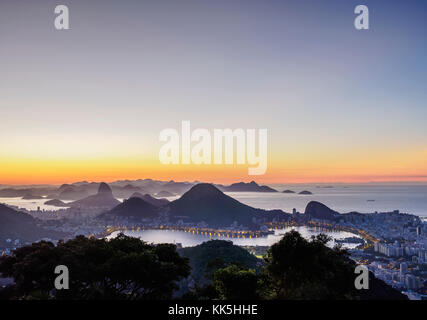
133	209
202	203
205	202
245	187
154	201
103	199
122	189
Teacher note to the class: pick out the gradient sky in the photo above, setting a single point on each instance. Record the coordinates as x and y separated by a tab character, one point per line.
89	103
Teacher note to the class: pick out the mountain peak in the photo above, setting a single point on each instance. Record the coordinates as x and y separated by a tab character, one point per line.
103	199
104	188
318	210
205	202
134	208
148	198
202	190
247	187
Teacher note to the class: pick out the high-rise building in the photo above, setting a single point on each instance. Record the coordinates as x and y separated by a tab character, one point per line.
376	246
412	282
403	268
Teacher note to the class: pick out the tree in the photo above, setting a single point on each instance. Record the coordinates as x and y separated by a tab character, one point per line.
120	268
301	269
234	282
128	268
205	258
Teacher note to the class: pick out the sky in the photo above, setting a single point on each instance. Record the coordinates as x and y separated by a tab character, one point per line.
340	104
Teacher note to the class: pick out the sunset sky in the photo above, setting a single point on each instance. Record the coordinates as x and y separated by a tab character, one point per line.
340	105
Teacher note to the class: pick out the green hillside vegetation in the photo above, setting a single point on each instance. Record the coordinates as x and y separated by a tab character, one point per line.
209	256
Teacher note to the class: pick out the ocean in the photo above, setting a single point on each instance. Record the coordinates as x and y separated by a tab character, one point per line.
364	198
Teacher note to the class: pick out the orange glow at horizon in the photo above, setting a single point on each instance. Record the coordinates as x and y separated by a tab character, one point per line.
281	169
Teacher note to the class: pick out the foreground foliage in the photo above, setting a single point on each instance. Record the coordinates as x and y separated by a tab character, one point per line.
122	268
128	268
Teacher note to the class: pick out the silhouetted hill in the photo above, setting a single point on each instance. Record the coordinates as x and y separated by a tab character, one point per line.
133	208
212	254
288	191
33	191
137	195
63	187
164	193
305	192
75	191
318	210
103	199
104	188
19	225
148	198
246	187
131	187
175	187
204	202
126	191
71	193
56	203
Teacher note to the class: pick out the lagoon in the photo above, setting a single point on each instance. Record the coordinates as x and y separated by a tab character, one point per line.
187	239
